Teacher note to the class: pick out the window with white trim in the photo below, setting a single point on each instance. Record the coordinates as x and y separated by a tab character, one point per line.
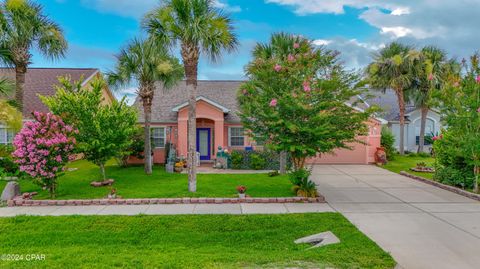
158	137
236	137
6	135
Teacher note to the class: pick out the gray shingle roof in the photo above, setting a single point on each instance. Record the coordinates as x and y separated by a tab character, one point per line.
388	103
221	92
41	81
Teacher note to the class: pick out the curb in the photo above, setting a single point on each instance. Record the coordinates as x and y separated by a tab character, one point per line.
442	186
188	200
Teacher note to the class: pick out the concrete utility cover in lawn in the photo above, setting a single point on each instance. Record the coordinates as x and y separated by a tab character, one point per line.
319	240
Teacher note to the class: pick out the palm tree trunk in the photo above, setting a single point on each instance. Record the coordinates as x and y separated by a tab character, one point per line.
20	85
190	56
423	123
147	151
401	106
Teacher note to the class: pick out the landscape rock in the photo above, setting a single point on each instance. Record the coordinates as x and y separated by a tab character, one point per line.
12	189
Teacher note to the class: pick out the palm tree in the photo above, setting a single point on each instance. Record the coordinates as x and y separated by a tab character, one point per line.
146	62
392	67
23	26
199	28
430	75
6	87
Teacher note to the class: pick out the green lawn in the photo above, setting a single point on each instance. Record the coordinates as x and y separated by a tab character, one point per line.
133	183
196	241
404	163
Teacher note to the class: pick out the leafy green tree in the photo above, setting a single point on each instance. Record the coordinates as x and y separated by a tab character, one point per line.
199	27
24	26
104	131
146	62
280	45
461	110
392	67
299	102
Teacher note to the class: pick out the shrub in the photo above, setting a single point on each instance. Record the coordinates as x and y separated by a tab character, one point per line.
302	185
454	177
6	150
237	159
297	176
306	188
241	159
387	141
256	162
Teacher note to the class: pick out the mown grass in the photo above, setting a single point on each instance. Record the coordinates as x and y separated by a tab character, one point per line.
195	241
132	182
404	163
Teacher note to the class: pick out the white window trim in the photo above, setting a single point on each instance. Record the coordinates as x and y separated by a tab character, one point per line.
230	136
164	135
3	133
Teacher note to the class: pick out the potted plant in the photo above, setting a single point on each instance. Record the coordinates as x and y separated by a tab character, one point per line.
241	191
178	167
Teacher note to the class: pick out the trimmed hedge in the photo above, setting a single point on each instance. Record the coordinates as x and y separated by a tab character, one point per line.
256	160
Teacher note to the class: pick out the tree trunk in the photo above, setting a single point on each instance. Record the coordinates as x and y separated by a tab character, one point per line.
298	162
147	151
283	162
19	86
401	106
53	187
190	54
102	170
423	123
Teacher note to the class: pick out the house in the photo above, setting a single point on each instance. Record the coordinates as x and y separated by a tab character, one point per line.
390	112
218	124
42	81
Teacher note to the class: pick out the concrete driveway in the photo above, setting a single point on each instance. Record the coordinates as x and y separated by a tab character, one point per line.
420	225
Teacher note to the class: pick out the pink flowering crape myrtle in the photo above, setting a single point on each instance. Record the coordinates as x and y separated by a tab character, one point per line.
43	147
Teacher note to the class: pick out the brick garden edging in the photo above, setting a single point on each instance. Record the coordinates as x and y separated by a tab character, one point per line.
442	186
22	202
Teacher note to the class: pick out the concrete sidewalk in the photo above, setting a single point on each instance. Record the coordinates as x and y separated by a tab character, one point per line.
167	209
422	226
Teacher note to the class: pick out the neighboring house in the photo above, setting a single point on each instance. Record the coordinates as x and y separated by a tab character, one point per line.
388	103
218	124
42	81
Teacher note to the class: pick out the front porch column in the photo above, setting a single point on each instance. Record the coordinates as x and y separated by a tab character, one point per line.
219	136
182	141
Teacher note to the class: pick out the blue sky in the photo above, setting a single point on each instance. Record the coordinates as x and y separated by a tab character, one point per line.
97	29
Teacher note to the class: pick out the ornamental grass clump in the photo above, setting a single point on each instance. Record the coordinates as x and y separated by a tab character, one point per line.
43	147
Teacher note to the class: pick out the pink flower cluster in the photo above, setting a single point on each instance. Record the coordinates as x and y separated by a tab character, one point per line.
435	138
44	146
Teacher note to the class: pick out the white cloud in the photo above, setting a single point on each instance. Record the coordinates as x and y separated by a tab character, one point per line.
451	25
321	42
400	11
304	7
398	31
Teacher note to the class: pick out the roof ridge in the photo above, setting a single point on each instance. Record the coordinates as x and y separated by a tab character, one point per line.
56	68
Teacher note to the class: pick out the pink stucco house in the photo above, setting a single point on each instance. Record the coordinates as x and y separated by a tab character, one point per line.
218	124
